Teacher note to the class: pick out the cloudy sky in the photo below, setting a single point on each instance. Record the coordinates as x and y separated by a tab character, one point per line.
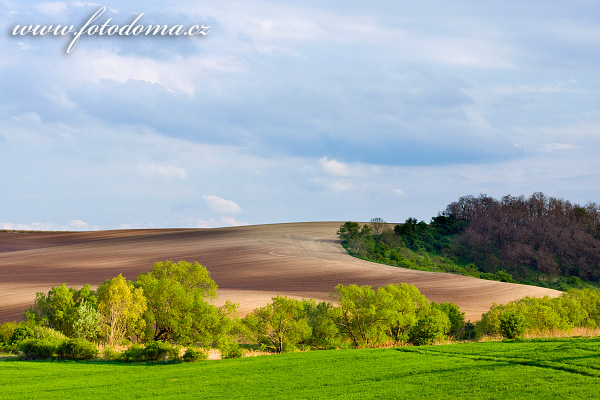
294	111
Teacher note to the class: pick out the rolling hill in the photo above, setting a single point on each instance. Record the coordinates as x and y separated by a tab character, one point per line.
250	265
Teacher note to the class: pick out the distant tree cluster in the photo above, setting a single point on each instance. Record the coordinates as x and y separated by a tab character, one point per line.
414	245
526	236
537	240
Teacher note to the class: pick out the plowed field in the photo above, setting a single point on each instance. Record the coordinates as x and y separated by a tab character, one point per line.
250	265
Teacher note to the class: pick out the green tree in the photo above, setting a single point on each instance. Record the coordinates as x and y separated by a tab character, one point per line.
512	324
434	326
321	318
281	324
121	306
455	316
178	309
590	302
57	308
360	318
348	230
379	226
60	307
401	306
87	324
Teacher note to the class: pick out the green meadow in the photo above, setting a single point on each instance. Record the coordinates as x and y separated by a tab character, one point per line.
544	369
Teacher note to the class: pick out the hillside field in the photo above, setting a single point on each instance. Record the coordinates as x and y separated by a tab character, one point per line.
547	369
250	264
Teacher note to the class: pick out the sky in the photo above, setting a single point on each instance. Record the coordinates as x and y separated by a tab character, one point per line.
294	111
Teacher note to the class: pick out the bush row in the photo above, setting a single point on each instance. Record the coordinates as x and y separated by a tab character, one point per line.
539	316
70	349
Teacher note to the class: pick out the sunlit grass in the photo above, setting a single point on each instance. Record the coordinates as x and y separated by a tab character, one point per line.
544	368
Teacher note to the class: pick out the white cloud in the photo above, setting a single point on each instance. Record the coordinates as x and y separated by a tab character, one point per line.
61	98
162	171
342	186
52	9
399	192
222	205
559	87
25	46
176	75
232	221
551	147
73	225
85	4
212	223
334	167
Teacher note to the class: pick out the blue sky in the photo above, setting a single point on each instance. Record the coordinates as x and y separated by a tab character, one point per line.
295	111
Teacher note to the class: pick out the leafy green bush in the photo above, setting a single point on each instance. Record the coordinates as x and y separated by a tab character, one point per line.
7	330
77	349
456	317
12	348
321	319
156	351
232	352
37	349
135	352
512	324
468	331
44	332
434	326
193	355
20	333
110	354
87	323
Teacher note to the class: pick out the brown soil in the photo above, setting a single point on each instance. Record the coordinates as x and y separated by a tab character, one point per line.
250	265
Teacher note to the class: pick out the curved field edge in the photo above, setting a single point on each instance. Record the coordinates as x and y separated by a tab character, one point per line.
565	368
250	265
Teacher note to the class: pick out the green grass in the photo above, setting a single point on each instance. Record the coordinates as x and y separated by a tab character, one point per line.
542	369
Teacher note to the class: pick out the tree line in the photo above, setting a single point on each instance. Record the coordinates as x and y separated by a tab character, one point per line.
170	307
533	238
538	240
171	304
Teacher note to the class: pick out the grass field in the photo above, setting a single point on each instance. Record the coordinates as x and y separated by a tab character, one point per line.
544	369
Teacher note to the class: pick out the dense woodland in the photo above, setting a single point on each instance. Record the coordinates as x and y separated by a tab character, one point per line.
537	240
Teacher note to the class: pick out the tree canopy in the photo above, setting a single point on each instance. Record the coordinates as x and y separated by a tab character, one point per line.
121	306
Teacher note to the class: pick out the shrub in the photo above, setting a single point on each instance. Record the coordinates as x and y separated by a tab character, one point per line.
193	355
44	332
512	324
135	352
468	331
20	333
156	351
232	352
434	326
37	349
456	317
87	323
7	330
77	349
12	348
321	319
111	354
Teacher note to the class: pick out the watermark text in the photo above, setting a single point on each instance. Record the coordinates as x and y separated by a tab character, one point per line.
92	27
